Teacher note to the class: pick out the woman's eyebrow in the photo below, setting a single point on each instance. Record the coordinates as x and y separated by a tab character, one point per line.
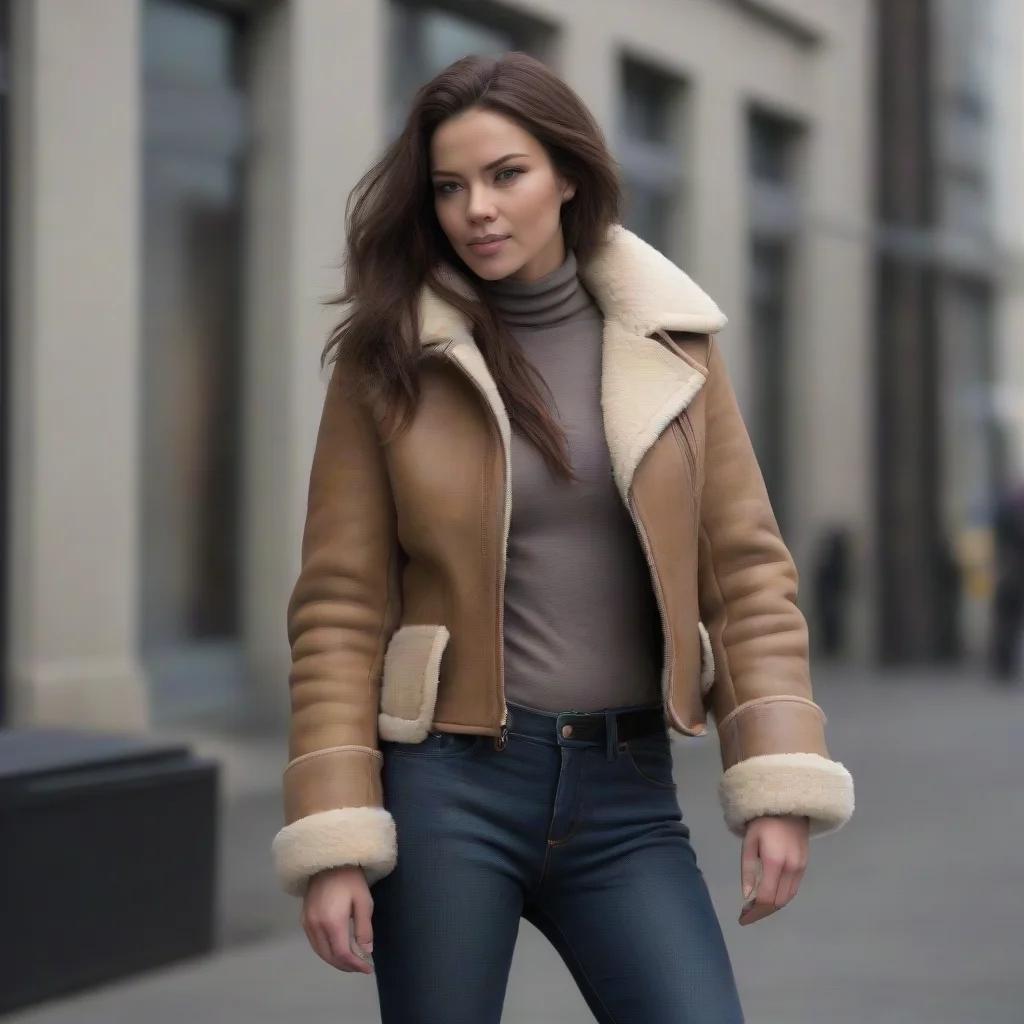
487	167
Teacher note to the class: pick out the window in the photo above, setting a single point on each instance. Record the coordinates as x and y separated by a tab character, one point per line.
770	328
194	159
425	39
4	360
774	209
770	148
650	154
964	51
968	339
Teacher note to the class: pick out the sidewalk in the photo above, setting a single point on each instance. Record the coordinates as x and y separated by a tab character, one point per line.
910	916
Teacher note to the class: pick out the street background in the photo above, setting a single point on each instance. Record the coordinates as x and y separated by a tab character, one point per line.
842	176
909	916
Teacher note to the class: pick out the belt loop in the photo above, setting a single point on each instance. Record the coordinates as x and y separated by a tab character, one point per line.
611	734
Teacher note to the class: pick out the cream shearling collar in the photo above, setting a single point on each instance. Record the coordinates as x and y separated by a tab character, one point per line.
644	384
633	284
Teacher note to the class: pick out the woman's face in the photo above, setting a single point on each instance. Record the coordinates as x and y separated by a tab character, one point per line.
498	196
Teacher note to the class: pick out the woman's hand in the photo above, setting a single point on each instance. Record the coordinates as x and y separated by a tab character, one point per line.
333	900
779	848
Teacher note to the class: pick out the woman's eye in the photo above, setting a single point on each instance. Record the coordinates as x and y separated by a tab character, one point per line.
509	173
446	188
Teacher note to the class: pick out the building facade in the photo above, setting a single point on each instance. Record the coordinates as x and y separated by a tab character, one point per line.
178	174
948	330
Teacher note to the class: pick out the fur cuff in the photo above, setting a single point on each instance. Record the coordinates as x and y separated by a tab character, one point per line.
776	784
332	839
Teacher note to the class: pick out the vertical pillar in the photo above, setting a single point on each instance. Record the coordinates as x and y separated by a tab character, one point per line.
717	214
319	110
74	334
910	607
832	370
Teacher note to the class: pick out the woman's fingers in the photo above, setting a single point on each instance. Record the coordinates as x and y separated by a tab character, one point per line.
328	925
750	863
362	925
779	887
342	954
318	940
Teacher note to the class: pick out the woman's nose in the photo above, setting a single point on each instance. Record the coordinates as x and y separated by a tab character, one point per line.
481	205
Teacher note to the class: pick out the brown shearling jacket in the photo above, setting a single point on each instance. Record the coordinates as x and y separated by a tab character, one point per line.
396	618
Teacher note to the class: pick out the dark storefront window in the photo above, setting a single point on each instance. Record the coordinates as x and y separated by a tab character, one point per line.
649	151
774	203
770	329
5	362
426	37
193	188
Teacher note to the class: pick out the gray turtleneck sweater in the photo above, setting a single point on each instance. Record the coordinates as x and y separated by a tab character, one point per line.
582	631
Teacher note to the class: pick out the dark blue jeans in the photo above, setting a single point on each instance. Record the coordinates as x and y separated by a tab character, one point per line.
584	840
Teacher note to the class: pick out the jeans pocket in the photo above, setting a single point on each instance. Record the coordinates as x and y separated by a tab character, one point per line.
437	744
651	758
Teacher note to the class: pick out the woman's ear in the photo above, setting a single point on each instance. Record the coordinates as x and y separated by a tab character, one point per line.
568	190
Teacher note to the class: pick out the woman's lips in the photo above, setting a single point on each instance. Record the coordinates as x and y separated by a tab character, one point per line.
489	247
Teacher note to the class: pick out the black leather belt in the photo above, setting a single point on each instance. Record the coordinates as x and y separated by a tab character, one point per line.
628	725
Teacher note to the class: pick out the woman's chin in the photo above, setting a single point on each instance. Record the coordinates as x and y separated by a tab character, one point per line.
495	269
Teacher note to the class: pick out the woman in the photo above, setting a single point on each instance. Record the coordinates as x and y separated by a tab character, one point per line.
536	537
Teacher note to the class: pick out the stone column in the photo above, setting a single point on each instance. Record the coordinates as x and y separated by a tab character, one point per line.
75	337
319	116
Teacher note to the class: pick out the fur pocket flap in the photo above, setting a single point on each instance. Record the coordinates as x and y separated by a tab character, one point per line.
412	670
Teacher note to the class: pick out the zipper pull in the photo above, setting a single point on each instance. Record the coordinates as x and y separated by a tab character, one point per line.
501	742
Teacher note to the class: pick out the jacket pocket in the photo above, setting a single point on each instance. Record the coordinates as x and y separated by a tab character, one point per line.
707	661
408	692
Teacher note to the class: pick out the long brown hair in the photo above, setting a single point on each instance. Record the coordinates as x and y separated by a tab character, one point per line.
396	245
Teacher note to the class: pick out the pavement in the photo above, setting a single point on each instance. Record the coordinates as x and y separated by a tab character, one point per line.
910	915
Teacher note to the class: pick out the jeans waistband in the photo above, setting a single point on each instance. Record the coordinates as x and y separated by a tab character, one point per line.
555	727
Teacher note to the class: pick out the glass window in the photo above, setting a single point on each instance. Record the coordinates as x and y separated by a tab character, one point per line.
650	154
774	211
649	215
648	104
968	326
964	131
194	160
770	148
4	360
424	40
769	309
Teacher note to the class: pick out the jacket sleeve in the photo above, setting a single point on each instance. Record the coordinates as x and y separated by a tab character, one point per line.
771	732
341	614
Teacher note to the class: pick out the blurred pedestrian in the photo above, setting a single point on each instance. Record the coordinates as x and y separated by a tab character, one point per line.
537	537
832	590
1008	599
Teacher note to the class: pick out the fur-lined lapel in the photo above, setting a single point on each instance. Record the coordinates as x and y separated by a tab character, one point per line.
644	385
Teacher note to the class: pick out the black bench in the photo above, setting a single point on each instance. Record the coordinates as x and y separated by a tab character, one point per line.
108	849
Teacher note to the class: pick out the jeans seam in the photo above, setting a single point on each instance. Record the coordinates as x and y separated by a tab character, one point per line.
579	966
644	776
577	804
395	750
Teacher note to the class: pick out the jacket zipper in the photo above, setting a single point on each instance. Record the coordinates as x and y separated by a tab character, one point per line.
501	740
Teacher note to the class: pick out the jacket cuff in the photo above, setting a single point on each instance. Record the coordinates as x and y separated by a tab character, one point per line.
363	836
808	785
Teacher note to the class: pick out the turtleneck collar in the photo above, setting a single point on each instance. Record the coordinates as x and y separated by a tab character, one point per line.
551	300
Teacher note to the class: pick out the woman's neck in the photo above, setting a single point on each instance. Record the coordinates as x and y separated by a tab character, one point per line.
542	303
